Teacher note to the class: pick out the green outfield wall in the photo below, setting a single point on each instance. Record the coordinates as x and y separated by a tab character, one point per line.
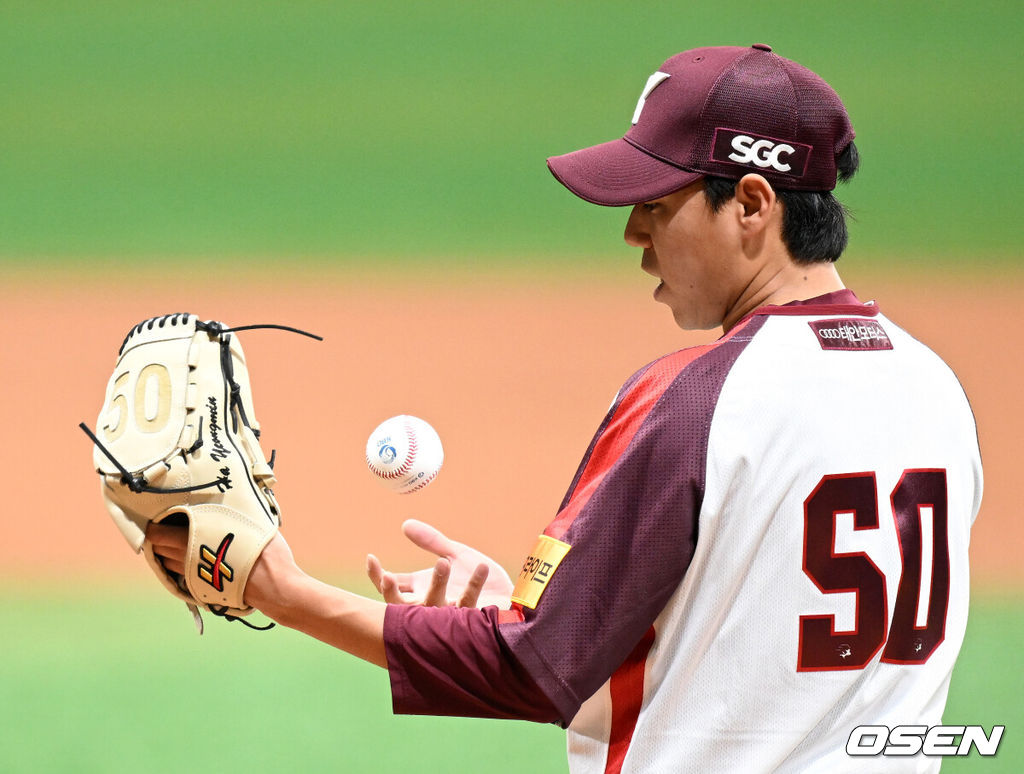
343	131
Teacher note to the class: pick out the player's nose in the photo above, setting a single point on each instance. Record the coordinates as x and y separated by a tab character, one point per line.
636	235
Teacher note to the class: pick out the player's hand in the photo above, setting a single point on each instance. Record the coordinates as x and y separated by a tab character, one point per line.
275	563
461	576
169	544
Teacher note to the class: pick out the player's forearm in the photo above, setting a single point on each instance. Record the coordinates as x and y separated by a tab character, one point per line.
337	617
340	618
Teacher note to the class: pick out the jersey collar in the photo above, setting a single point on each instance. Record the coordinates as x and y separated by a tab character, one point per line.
838	302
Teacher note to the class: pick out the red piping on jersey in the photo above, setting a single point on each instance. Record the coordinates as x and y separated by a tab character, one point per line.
630	414
627	690
838	302
859	310
513	615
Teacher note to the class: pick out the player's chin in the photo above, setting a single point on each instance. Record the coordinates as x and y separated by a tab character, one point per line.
689	318
663	295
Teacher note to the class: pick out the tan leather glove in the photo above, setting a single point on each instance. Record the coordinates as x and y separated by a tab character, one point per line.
177	440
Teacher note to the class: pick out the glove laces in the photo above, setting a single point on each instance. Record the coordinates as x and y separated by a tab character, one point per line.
136	482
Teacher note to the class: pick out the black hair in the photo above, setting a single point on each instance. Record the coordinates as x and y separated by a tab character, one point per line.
813	222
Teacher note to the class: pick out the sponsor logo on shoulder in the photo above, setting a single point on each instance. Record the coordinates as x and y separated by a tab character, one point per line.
538	569
731	146
851	334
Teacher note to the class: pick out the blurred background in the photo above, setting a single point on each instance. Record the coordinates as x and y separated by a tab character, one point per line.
374	172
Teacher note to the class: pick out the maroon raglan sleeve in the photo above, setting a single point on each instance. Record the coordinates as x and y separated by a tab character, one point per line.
453	661
630	519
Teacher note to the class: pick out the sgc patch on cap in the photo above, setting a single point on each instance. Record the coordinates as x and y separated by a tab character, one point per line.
733	146
538	569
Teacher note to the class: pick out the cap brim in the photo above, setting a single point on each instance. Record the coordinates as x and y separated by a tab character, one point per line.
617	173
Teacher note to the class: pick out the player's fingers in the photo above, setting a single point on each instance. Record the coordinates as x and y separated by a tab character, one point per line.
374	571
406	581
167	541
437	593
429	538
167	535
174	565
474	586
389	590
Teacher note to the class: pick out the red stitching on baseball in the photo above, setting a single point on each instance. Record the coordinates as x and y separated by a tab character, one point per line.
405	466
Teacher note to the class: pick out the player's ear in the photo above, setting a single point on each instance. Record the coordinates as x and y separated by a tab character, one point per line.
758	201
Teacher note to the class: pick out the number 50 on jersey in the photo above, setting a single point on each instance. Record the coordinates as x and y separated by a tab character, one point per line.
919	508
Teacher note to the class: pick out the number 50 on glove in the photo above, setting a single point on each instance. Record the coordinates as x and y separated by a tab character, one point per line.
177	440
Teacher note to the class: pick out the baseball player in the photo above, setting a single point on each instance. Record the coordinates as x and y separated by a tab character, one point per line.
765	545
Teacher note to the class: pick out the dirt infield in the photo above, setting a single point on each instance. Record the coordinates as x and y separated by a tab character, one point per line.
515	372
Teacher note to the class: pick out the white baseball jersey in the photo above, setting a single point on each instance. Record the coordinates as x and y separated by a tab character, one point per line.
764	547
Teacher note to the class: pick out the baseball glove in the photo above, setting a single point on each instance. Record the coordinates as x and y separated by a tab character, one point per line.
177	441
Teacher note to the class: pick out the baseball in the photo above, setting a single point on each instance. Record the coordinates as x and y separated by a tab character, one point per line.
405	453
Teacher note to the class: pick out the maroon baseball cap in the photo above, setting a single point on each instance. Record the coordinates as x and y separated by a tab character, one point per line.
724	111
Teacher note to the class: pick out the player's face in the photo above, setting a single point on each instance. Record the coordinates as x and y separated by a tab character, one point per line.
692	251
